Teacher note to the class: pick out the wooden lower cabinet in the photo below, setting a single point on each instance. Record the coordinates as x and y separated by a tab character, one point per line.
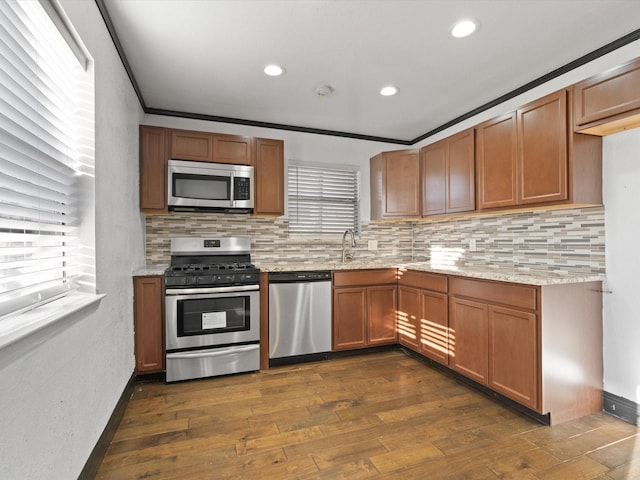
148	318
364	308
513	354
469	339
423	317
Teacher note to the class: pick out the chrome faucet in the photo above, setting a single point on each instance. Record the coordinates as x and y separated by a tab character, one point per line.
348	256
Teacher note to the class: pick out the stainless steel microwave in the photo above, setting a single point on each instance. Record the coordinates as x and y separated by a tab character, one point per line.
211	186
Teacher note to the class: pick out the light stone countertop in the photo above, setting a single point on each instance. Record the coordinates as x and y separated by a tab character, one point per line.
150	270
513	275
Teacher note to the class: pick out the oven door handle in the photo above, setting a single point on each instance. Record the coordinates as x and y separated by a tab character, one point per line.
214	353
195	291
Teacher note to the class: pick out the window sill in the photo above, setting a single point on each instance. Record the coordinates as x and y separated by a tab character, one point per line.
24	331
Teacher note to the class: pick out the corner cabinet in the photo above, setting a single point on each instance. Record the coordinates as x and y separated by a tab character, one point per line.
448	175
423	317
269	177
528	157
158	144
148	318
395	184
364	308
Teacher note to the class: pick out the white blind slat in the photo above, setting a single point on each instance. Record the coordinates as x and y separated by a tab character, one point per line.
323	200
43	121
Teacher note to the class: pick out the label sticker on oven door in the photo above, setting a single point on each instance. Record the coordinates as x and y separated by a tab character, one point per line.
214	320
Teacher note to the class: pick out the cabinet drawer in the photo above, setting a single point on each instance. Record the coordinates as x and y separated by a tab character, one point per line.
425	280
364	277
521	296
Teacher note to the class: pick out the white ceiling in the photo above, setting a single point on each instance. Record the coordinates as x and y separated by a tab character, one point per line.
206	56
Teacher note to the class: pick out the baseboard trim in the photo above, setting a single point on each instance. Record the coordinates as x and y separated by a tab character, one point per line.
620	407
99	451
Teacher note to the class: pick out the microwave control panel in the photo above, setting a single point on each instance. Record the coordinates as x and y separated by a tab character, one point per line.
241	188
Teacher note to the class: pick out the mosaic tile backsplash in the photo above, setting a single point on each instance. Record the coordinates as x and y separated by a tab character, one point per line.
569	240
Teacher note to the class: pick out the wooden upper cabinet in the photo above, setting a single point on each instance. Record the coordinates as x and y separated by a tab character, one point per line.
609	102
522	157
153	169
448	175
542	150
395	184
496	147
211	147
269	177
187	145
233	149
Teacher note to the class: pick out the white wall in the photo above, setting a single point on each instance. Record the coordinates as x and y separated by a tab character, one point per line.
57	397
621	184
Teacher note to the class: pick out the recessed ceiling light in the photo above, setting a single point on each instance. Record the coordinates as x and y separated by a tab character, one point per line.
464	28
274	70
389	90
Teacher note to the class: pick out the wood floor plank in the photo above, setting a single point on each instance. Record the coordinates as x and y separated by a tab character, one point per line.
380	416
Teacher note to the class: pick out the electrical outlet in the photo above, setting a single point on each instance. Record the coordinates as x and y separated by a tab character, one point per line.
472	245
372	245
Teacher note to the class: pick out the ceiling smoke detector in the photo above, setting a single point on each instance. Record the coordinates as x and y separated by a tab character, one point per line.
324	90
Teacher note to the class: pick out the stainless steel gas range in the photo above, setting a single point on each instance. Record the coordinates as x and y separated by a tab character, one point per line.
212	308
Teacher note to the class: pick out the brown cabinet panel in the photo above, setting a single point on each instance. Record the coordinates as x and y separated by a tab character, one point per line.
461	173
542	150
364	277
349	318
409	314
153	169
496	148
269	177
395	184
233	149
469	338
187	145
434	178
381	315
148	317
425	280
609	98
448	178
521	296
434	326
513	355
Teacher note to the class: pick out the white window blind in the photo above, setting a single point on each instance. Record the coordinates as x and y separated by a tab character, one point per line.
42	107
323	199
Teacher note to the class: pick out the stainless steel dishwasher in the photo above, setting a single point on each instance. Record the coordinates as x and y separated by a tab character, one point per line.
299	316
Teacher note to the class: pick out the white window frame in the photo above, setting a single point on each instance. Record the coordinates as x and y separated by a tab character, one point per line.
24	312
340	203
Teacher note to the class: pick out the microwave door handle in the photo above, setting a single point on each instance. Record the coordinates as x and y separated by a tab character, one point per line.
232	200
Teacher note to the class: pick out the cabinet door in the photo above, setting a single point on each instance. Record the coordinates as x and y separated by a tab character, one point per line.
269	177
434	326
186	145
233	149
542	150
395	184
153	169
148	315
468	342
513	355
409	309
349	318
381	315
608	96
461	173
434	178
496	146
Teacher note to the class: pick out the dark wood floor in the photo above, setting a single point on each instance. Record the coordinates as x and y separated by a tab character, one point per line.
383	416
